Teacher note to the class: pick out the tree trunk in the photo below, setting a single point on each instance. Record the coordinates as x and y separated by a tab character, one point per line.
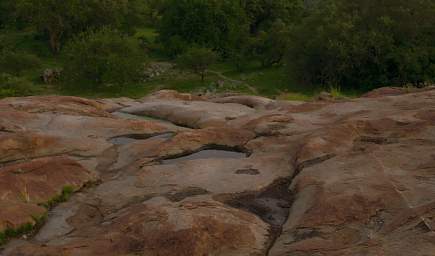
54	43
55	35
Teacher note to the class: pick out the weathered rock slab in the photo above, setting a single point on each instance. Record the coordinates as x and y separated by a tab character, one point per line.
180	174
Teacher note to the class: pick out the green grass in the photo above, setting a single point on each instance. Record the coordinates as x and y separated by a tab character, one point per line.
149	33
27	228
295	96
66	193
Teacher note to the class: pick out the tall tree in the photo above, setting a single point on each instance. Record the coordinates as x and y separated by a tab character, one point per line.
365	44
103	58
216	24
6	10
62	19
263	13
271	45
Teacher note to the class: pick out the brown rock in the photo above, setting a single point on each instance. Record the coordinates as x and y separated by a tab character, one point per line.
26	186
249	176
158	227
56	104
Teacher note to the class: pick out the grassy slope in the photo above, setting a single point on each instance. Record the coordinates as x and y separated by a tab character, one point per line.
270	82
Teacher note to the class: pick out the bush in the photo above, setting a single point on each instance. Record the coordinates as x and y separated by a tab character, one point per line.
102	58
17	62
271	46
11	86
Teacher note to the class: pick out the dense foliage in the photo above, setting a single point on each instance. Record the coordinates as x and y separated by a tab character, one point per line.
348	44
62	19
217	24
197	60
263	13
11	86
365	44
102	58
16	62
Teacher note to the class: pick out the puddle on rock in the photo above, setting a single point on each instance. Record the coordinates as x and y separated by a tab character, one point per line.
127	139
207	154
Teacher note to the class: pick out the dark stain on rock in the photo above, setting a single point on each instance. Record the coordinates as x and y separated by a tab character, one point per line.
185	193
271	205
248	171
378	140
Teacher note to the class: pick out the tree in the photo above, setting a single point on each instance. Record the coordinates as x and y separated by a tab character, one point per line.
365	44
154	11
271	45
102	58
216	24
263	13
62	19
197	60
6	9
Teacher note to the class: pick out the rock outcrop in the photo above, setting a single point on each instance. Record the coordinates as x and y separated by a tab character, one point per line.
177	174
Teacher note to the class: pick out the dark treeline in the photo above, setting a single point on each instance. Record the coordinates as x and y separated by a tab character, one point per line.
349	43
358	44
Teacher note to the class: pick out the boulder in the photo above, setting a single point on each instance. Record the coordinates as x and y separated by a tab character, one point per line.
51	75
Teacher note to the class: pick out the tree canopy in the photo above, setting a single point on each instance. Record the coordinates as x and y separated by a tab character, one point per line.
102	58
352	44
216	24
365	44
62	19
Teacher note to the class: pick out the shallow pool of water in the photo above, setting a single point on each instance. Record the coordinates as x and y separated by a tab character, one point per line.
207	154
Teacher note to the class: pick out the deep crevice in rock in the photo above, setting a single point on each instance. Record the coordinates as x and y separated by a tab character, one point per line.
131	116
178	196
377	140
130	138
211	151
272	205
312	162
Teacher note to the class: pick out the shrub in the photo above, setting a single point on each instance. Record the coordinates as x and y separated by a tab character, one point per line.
102	58
17	62
11	86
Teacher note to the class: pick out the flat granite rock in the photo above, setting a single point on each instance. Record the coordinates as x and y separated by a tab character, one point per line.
180	174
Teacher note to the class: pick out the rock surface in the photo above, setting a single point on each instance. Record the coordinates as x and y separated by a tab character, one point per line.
177	174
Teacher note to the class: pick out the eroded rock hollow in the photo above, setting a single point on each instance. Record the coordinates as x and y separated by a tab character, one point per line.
176	174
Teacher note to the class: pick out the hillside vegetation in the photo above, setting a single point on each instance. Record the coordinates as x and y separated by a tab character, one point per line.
291	49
